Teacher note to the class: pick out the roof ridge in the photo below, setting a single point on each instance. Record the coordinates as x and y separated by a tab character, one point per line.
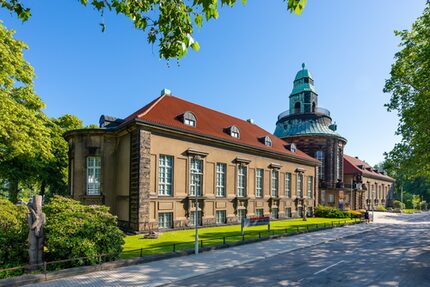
151	106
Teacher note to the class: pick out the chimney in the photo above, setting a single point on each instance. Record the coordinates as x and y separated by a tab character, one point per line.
166	92
251	121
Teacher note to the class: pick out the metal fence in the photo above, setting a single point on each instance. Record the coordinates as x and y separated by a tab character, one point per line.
172	248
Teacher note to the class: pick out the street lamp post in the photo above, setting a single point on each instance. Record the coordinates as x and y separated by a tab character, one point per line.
196	222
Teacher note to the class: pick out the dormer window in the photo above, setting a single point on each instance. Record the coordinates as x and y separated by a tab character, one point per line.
189	119
293	148
266	140
234	131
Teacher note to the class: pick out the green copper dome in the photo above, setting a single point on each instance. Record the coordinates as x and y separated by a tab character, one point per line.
303	73
303	82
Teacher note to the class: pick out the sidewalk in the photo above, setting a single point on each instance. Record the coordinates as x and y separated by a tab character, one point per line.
162	272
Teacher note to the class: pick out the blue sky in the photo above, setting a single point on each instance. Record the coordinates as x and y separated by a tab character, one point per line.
246	65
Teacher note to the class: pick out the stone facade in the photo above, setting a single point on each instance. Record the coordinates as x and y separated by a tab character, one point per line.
131	157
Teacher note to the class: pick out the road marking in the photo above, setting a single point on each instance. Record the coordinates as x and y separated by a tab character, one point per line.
322	270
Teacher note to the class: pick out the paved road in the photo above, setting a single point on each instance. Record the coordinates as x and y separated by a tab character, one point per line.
395	254
392	252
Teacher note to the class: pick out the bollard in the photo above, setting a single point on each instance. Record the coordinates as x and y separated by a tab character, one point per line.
44	269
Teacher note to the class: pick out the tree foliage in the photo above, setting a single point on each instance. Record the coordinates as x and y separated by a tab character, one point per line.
409	86
13	235
171	23
74	230
24	136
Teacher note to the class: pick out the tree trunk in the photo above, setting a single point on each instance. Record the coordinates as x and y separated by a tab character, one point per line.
13	190
43	188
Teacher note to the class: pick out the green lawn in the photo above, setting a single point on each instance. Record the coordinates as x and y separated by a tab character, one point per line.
184	239
410	210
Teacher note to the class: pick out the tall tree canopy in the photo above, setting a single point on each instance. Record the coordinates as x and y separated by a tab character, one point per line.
409	86
24	136
171	23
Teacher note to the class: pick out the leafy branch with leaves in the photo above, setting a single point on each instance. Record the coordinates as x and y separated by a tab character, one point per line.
171	23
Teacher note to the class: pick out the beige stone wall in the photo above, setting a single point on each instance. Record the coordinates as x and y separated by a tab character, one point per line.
176	204
129	177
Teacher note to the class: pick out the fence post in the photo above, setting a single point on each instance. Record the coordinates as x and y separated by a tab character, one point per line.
316	226
44	269
201	243
141	252
273	232
307	227
243	237
332	225
297	228
259	234
286	230
174	247
223	240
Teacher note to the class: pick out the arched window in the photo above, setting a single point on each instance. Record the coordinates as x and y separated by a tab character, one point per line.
234	131
297	108
189	119
266	140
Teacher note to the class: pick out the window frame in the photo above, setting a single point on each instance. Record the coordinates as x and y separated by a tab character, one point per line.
223	177
274	190
96	175
299	187
288	177
259	190
196	178
171	220
241	188
310	186
168	186
225	216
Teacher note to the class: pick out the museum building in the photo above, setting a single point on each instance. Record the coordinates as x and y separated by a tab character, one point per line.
149	167
344	182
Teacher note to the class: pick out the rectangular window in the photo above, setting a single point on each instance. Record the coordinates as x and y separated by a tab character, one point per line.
241	213
299	185
165	220
275	183
259	173
320	156
93	175
193	218
288	213
259	212
165	175
274	213
310	183
196	176
220	179
221	217
331	198
322	199
288	185
309	212
241	181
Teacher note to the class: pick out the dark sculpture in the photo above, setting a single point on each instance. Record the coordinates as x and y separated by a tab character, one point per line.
36	220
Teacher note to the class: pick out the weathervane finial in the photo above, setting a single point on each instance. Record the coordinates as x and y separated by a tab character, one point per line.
303	65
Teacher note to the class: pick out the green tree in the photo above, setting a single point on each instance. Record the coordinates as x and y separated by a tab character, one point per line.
54	172
409	86
13	236
24	137
171	23
74	230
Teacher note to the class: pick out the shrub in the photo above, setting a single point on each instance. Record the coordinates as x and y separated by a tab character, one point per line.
74	230
423	205
380	208
13	236
397	204
329	212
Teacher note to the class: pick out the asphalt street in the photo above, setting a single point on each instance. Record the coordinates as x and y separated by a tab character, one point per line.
396	254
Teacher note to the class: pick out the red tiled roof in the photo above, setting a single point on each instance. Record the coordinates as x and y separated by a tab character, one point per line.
166	109
351	166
